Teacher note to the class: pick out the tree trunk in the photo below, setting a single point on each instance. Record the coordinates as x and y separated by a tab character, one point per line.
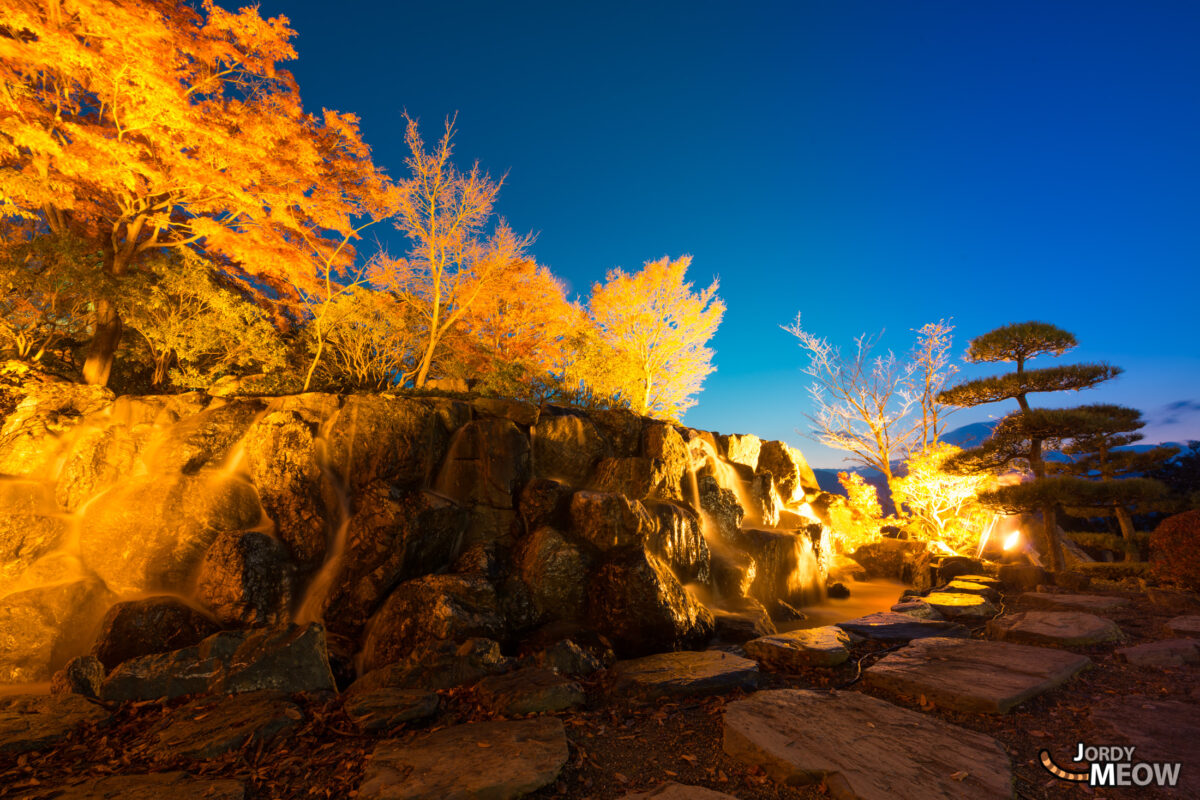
1053	543
103	349
1126	522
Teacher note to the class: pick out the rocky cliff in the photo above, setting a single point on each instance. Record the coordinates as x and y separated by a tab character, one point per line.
398	522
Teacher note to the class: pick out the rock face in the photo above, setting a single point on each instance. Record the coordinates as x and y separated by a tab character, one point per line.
499	760
566	447
792	473
850	742
1063	628
972	675
687	673
29	722
555	572
138	628
487	463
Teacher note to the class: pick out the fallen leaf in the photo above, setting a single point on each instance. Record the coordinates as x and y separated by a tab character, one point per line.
958	776
483	744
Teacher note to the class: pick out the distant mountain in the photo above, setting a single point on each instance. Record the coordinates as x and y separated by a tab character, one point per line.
971	435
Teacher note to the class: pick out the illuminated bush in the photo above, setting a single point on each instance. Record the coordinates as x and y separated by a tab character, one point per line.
1175	549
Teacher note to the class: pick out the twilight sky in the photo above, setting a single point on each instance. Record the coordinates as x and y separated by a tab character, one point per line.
873	165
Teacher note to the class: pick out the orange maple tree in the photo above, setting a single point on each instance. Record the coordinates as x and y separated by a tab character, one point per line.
145	124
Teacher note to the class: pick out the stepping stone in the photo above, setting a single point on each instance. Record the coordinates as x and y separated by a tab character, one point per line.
916	608
176	785
963	586
973	675
482	760
379	709
982	580
742	626
1074	602
1159	730
1188	625
864	748
888	626
796	650
31	721
1165	653
687	673
1064	628
205	728
961	605
679	791
532	690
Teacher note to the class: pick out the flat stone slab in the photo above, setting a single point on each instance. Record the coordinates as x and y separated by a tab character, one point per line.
973	675
795	650
864	748
206	728
1064	628
31	721
1164	653
380	709
687	673
533	690
1187	625
495	760
964	586
1161	730
156	786
916	608
889	626
679	791
984	580
1074	602
961	605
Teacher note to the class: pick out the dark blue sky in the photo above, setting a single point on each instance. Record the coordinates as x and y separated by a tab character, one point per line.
870	164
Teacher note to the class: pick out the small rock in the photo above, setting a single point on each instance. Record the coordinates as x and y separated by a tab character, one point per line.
29	721
745	621
1063	628
206	728
837	590
155	786
800	649
568	658
961	606
82	675
1023	577
1164	653
531	690
138	628
687	673
1188	625
380	709
783	611
498	760
891	627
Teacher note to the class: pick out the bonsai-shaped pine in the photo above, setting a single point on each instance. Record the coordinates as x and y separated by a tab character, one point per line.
1022	438
1120	472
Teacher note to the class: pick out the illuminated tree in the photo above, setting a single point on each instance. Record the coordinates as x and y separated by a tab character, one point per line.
945	504
865	404
139	125
857	517
1022	438
369	339
661	329
452	259
46	287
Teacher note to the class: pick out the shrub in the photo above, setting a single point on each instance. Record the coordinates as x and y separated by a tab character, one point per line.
1114	570
1175	549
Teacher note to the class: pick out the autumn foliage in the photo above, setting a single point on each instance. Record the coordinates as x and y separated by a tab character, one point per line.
172	215
1175	549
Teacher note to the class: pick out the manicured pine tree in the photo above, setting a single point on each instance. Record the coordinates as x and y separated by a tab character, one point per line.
1023	437
1121	472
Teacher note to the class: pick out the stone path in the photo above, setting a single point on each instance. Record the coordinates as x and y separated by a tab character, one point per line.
494	760
1063	628
889	626
379	709
679	791
1161	730
173	785
964	586
1074	602
962	606
864	748
29	721
1187	625
205	728
973	675
687	673
1163	653
795	650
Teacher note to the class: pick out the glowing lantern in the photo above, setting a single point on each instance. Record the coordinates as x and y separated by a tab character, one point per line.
1012	540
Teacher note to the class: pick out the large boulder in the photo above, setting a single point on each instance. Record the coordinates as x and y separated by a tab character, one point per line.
632	477
43	627
555	572
721	507
205	439
545	502
98	456
566	446
394	535
766	504
428	609
669	453
605	520
793	475
487	463
785	566
151	533
281	458
678	540
636	601
246	579
886	557
29	528
136	628
741	448
397	440
31	436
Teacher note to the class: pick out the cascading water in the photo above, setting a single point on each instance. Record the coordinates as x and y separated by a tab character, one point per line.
312	605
